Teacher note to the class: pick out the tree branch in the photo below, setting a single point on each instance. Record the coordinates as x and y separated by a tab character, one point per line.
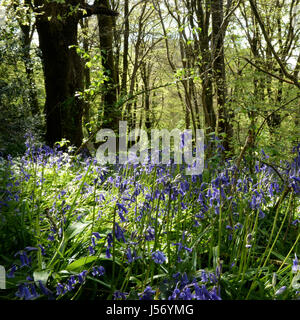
269	43
268	73
89	10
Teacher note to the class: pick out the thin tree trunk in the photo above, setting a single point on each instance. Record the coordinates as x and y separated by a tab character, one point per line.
218	33
111	114
125	52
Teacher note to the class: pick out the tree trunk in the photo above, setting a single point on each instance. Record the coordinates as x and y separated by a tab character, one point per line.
218	33
63	71
112	114
84	23
34	104
125	52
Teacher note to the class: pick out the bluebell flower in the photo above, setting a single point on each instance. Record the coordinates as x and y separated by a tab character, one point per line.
184	280
98	271
261	214
12	271
91	250
198	291
212	277
82	276
25	260
158	257
238	226
119	295
214	295
175	294
51	237
186	294
109	240
147	294
30	249
204	277
33	291
119	233
280	291
122	208
71	283
296	266
45	290
129	255
97	235
60	289
107	253
176	276
200	215
150	234
24	292
42	250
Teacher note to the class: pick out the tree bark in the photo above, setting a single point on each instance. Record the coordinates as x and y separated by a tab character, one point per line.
63	71
56	24
125	51
112	114
218	34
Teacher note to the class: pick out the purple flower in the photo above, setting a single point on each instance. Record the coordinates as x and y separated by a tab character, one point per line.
147	294
81	276
158	257
214	295
60	289
71	283
109	240
107	253
97	235
31	249
150	234
204	277
12	271
42	250
91	250
121	210
33	291
131	257
118	295
98	271
25	261
175	294
295	266
280	291
119	233
45	290
24	292
186	294
261	214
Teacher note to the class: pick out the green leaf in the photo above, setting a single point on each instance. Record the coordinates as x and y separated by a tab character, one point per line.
296	282
80	263
41	276
75	228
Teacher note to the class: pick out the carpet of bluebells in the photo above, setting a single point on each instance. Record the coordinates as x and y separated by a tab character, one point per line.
71	229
